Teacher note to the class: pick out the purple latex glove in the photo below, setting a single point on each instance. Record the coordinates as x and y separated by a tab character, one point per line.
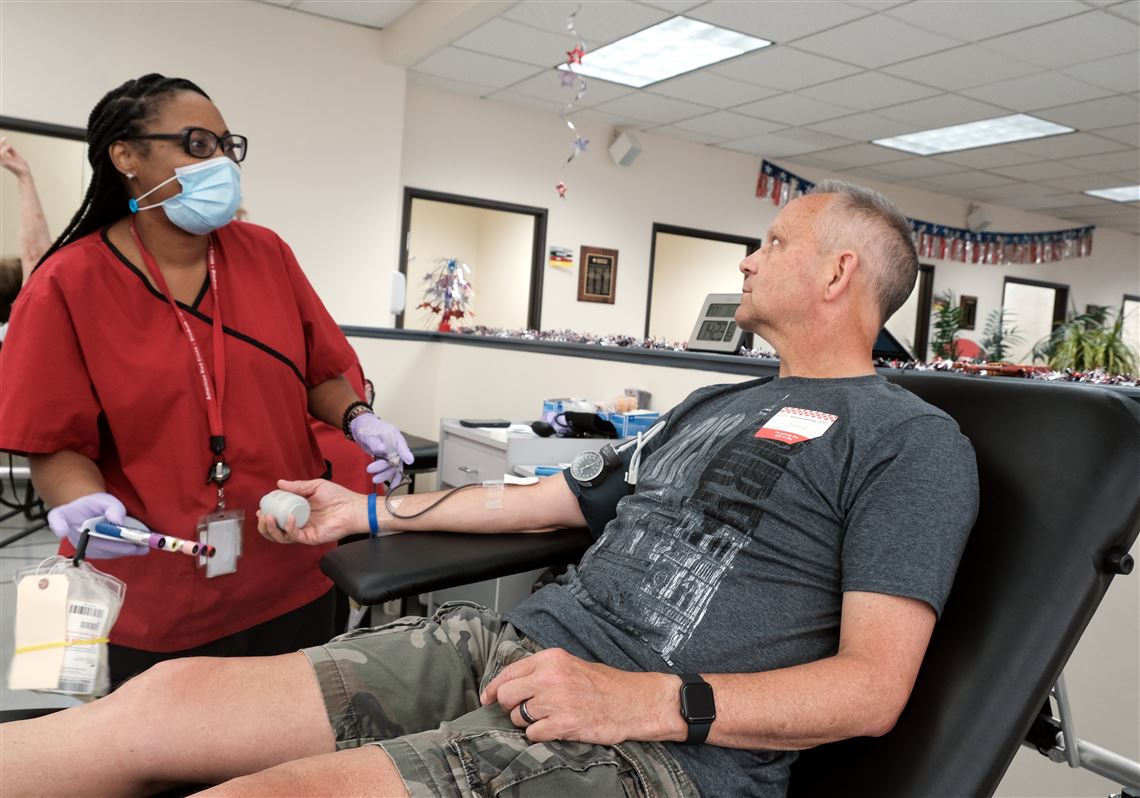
66	519
556	420
382	440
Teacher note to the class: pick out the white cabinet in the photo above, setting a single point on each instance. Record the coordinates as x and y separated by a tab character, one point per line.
480	454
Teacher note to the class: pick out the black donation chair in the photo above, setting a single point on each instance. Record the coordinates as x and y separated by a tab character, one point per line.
1060	506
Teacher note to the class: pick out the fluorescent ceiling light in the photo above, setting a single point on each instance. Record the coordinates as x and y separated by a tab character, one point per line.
1120	194
1001	130
667	49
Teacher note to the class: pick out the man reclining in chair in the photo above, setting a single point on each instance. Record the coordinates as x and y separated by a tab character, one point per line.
791	540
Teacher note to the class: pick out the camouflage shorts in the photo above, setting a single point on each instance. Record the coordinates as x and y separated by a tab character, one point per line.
413	687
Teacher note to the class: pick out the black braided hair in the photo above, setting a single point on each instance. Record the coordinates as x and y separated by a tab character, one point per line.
121	112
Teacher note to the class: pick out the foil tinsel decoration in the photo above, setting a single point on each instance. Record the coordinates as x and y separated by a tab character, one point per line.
572	79
448	292
952	243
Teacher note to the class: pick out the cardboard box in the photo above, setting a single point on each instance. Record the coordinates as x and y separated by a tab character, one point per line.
629	424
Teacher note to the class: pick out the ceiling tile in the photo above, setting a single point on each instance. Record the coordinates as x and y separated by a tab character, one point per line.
1120	73
941	111
783	68
868	90
673	6
1127	178
1073	40
864	127
1083	183
594	116
374	15
989	157
812	139
914	168
653	108
1108	162
1042	90
877	5
525	101
506	39
547	85
675	132
1013	191
1106	112
793	109
447	84
861	155
1125	134
983	20
1129	10
597	23
1044	170
971	180
1041	203
770	146
712	89
727	125
777	20
961	68
875	41
1069	145
462	65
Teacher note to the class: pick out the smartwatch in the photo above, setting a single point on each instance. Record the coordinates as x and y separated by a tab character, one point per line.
697	707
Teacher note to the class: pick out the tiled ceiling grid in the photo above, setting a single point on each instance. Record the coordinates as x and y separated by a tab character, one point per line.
843	73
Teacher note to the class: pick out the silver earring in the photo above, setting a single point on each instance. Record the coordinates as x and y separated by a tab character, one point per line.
130	175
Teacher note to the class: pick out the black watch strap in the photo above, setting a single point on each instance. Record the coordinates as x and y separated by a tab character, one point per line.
697	707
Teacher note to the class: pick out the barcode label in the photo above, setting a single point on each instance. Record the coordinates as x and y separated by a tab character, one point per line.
81	608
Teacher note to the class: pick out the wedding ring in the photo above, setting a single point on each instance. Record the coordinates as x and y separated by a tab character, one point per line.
526	715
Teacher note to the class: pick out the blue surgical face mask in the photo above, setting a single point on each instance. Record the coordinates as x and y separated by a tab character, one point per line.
210	196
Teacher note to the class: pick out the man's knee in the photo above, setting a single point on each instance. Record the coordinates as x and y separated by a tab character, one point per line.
168	683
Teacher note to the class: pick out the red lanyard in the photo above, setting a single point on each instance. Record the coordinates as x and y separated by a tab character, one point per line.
214	395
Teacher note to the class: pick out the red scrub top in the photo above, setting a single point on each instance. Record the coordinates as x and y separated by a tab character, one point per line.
95	362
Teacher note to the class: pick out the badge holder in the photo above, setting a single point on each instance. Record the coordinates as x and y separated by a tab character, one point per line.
65	609
221	529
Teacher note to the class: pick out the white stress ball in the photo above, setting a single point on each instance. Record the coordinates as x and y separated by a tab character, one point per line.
281	504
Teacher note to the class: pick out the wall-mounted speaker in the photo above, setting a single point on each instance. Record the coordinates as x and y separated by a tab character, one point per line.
625	148
977	219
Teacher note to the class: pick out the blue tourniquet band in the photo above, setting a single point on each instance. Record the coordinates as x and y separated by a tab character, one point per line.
373	523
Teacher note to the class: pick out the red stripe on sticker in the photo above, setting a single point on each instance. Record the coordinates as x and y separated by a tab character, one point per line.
780	435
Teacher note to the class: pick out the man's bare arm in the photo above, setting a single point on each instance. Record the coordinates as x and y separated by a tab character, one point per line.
337	511
859	691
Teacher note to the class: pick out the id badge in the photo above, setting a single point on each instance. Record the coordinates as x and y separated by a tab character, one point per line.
222	530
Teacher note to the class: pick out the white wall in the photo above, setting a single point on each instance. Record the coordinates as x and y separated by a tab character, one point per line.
323	112
502	281
685	270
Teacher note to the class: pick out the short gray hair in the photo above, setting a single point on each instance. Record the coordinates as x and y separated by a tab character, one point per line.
864	220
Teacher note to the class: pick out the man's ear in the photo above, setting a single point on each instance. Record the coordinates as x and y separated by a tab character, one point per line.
843	267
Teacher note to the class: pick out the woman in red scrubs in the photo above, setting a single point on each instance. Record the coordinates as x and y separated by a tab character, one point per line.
158	371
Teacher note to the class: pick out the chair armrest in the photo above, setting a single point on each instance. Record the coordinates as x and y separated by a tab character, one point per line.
380	569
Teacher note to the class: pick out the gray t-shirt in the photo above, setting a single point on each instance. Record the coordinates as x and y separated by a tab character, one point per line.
756	507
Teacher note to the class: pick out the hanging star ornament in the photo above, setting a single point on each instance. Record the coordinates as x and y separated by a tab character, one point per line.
567	78
579	145
575	56
561	188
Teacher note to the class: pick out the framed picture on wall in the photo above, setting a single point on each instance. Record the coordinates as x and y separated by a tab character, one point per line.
597	275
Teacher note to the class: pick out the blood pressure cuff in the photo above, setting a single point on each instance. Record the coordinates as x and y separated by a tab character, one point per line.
599	503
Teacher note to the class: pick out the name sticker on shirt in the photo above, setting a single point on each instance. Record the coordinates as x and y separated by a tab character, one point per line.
794	425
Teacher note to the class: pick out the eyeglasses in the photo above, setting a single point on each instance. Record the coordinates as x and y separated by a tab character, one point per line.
202	143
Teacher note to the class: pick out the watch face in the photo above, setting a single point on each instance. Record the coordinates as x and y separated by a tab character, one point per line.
587	466
697	704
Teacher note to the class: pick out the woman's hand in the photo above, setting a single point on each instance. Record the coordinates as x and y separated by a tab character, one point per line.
335	511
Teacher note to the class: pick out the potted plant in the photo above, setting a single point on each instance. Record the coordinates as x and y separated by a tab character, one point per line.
999	336
1088	341
947	318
